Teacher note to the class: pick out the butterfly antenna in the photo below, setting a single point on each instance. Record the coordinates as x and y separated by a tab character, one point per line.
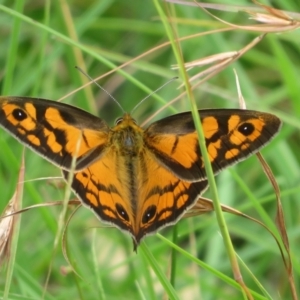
98	85
143	100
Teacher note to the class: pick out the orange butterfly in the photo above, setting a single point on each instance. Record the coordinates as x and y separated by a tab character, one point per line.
138	180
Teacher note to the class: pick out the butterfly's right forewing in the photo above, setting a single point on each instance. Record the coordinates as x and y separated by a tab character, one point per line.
231	135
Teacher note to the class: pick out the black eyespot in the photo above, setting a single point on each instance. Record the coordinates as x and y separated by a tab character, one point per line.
118	121
122	212
149	214
246	129
19	114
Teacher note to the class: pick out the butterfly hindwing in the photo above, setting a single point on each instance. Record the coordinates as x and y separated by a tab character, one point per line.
165	197
230	134
104	187
55	130
129	197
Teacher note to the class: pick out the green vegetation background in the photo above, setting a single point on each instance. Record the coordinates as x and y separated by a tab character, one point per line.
36	62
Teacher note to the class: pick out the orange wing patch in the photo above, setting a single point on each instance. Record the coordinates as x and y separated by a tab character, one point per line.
174	146
210	126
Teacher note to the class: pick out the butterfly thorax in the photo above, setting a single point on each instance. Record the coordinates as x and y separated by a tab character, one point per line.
127	136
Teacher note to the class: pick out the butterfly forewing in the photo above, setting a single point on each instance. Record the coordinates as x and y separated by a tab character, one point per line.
230	134
56	131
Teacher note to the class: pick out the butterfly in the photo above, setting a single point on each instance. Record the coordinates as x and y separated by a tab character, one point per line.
139	180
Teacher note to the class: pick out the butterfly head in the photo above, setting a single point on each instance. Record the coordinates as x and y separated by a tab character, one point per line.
125	121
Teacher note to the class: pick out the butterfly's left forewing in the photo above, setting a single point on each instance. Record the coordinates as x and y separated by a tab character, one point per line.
57	131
